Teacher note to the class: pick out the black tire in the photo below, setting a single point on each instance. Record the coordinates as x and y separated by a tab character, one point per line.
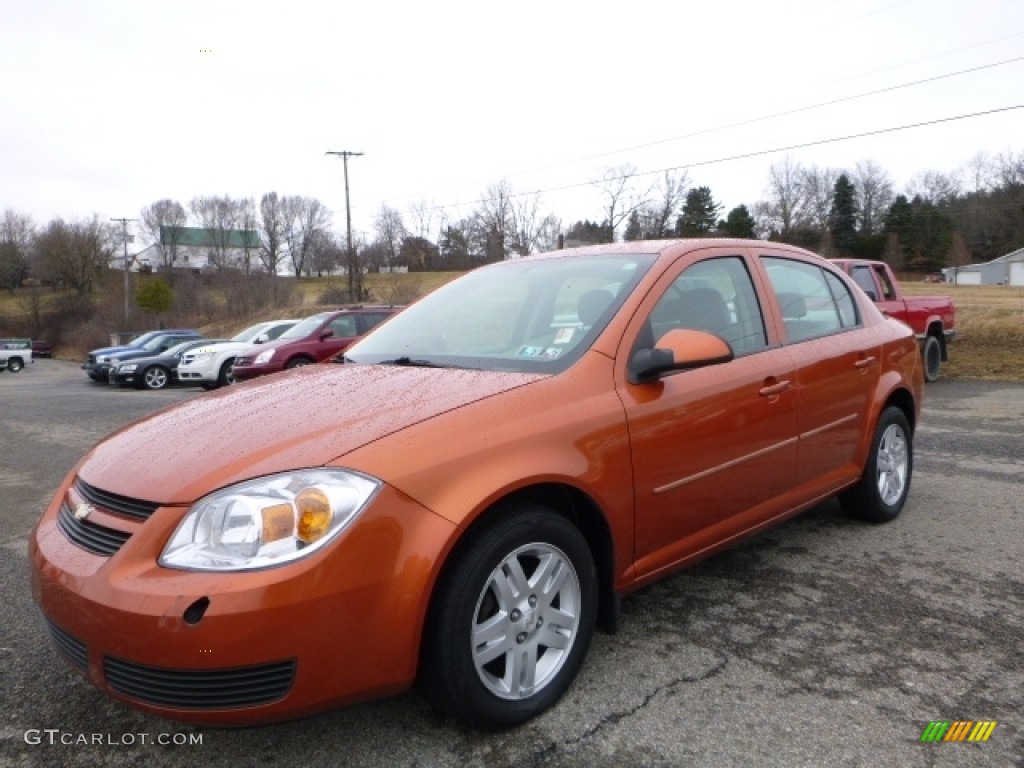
880	494
154	377
931	355
298	362
14	364
226	378
547	631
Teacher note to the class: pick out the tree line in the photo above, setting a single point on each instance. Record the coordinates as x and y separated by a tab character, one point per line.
973	214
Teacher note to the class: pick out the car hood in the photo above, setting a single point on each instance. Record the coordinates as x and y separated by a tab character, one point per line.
227	346
110	350
304	418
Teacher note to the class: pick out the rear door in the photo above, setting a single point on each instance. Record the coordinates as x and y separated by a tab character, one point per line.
713	448
838	363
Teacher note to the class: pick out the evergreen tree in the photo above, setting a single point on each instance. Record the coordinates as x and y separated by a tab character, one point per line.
700	213
633	229
842	218
739	223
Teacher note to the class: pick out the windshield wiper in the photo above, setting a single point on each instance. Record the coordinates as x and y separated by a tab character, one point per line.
405	360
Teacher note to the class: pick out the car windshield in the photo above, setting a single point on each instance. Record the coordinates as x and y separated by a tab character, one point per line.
302	329
248	333
177	349
530	315
140	341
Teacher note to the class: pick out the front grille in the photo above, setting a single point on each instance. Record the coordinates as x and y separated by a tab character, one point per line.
74	650
201	688
97	539
112	502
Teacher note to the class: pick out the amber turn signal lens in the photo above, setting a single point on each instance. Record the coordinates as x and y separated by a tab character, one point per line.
314	513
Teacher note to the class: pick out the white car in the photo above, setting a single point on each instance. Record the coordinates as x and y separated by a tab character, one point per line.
210	366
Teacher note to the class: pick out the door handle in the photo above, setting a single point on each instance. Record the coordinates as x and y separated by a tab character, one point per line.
771	390
865	362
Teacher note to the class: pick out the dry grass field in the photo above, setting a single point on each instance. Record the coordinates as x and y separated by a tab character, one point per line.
990	329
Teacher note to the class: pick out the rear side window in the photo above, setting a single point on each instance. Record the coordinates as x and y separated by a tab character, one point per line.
814	302
370	320
344	326
862	277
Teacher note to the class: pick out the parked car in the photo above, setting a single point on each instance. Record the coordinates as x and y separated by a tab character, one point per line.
41	348
15	354
154	371
314	339
97	362
210	364
155	346
933	318
470	493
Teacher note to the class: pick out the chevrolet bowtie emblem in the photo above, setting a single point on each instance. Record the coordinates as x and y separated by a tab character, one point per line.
82	511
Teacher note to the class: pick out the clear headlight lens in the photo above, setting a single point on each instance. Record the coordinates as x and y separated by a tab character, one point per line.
269	521
102	358
199	357
264	357
127	368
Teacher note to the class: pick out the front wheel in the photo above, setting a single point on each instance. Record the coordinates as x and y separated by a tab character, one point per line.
931	354
511	621
226	377
14	364
880	494
298	362
155	377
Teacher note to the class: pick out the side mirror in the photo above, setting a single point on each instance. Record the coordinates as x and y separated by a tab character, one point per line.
261	338
678	350
326	334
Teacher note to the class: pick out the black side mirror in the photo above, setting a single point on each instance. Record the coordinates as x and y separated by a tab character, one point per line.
678	350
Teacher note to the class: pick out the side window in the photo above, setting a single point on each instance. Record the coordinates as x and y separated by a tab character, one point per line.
888	291
276	331
862	277
344	326
716	295
844	301
370	320
808	306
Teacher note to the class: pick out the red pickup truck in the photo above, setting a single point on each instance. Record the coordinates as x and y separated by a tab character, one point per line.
933	318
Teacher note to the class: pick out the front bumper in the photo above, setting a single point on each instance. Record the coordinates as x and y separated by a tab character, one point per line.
246	372
242	647
197	374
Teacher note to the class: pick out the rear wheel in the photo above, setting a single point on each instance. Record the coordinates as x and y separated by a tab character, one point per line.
512	620
880	494
931	354
155	377
14	364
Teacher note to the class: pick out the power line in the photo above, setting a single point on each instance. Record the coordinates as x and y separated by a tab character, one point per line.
760	119
757	153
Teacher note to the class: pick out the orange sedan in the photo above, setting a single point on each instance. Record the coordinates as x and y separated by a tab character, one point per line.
468	495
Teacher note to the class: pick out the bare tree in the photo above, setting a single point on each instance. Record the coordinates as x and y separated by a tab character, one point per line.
934	187
326	253
424	215
272	241
531	231
656	219
783	211
494	222
248	223
303	218
75	254
164	222
16	233
390	233
621	195
818	186
1009	168
220	217
874	194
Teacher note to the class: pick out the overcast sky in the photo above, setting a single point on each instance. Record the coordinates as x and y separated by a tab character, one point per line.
107	107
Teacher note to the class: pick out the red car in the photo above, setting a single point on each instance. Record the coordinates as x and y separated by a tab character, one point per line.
314	339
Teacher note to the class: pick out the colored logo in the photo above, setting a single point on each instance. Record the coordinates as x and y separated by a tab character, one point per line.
958	730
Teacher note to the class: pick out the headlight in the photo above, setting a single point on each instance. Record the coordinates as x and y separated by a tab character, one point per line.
102	358
198	357
127	368
264	357
269	521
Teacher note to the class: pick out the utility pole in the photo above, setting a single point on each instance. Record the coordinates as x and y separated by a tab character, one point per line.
127	271
350	254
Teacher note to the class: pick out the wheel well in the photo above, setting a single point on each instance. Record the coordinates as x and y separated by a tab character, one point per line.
903	400
587	516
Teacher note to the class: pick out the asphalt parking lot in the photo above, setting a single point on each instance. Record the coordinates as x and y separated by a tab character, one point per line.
823	642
